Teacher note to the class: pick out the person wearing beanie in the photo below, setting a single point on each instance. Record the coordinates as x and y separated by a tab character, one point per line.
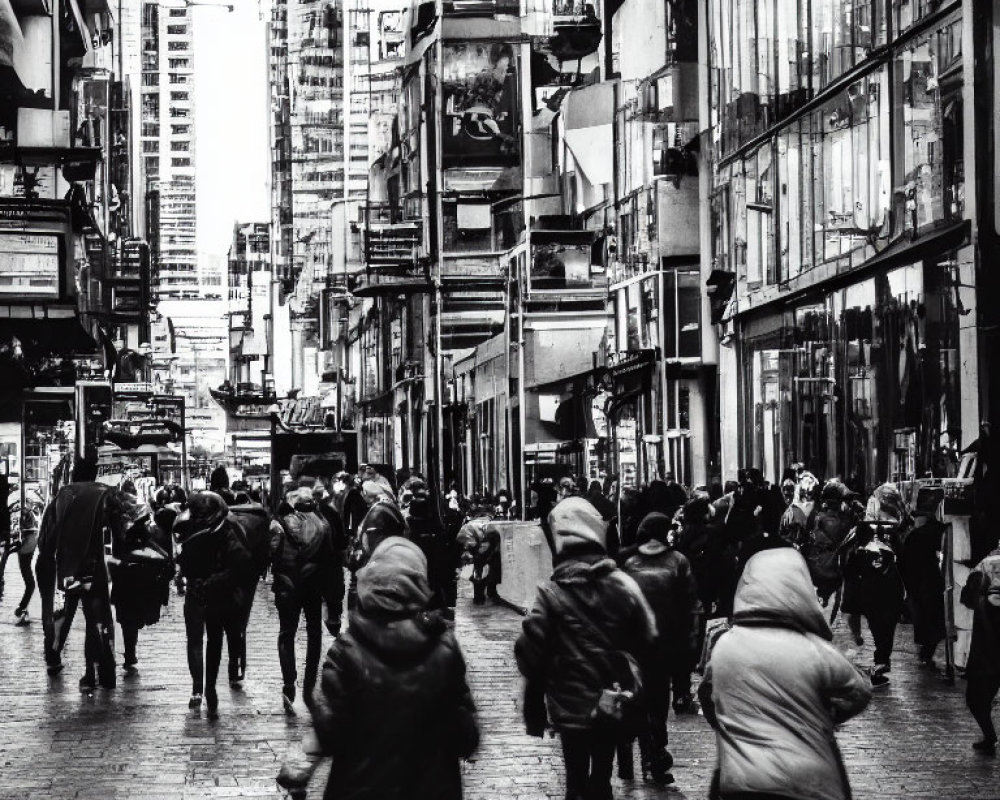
588	619
393	706
214	562
664	576
307	572
218	482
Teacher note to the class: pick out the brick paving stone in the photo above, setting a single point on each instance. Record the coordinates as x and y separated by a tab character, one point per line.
140	740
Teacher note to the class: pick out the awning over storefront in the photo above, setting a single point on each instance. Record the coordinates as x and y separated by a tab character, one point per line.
51	335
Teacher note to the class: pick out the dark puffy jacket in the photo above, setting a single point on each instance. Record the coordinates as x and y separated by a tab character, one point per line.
302	554
394	709
560	656
665	578
256	524
872	582
215	563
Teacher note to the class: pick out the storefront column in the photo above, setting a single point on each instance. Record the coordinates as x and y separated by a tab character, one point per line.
729	412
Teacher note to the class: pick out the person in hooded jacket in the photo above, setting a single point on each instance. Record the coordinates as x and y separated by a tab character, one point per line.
831	527
920	565
981	593
797	521
584	618
141	570
701	541
479	544
775	687
307	572
393	707
428	533
664	576
215	563
71	559
255	523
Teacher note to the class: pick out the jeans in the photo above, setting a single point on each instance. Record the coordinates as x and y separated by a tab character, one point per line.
883	628
290	610
99	636
205	627
980	692
27	576
588	757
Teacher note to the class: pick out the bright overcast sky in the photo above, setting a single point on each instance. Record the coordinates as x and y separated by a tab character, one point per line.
232	160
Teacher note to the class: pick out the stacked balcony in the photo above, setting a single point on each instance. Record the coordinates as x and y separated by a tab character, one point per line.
391	255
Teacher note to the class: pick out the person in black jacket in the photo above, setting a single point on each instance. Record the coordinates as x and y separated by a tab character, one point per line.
71	560
393	707
307	572
664	576
254	522
587	620
428	533
214	563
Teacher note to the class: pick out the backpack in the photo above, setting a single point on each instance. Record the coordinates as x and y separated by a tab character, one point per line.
299	554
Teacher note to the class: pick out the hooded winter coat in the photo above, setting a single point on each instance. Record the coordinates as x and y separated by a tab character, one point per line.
558	652
393	707
213	559
775	687
303	558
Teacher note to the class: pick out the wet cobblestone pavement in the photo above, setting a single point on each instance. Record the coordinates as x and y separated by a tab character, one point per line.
140	740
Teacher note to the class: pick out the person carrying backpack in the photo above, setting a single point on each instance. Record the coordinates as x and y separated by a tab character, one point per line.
579	650
307	572
831	526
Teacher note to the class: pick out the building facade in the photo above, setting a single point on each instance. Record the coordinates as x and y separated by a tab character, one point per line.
844	218
168	148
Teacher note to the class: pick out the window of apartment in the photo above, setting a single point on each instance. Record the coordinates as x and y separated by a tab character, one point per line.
180	130
851	152
928	184
177	30
178	12
178	63
178	97
682	313
179	79
180	162
152	166
759	215
180	112
150	79
178	45
150	105
182	146
151	146
150	129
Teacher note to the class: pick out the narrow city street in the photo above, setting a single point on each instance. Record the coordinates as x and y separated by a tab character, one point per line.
141	740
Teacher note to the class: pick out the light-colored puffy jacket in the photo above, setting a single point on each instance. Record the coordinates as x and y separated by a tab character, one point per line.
776	686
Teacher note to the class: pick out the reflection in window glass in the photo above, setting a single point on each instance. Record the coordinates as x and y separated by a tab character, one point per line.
929	180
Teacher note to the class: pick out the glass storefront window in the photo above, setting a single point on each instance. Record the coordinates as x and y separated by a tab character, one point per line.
929	175
851	154
682	313
795	201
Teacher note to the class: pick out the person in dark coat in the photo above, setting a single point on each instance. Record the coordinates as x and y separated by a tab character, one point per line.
831	526
479	544
701	541
218	482
597	499
428	533
255	523
307	573
23	545
71	559
873	588
584	619
664	576
922	576
141	571
981	593
393	707
214	563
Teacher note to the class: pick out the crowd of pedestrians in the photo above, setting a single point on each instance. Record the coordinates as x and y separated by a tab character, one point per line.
650	586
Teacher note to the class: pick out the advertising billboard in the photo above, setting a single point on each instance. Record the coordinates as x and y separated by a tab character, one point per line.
480	101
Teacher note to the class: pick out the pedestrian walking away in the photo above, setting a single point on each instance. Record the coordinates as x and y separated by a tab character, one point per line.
775	687
72	571
589	625
214	563
307	572
981	593
393	708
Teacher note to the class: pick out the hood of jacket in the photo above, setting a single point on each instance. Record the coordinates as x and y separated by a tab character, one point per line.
397	638
775	589
582	565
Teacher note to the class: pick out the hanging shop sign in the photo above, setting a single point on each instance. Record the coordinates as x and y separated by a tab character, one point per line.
480	100
631	369
33	251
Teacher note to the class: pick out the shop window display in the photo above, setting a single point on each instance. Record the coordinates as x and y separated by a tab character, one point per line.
866	383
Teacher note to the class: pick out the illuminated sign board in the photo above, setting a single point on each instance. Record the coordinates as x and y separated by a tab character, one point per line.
30	265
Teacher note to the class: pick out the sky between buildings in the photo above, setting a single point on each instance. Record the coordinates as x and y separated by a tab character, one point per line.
231	108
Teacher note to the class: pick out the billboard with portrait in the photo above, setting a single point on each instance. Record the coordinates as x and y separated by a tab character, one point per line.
480	105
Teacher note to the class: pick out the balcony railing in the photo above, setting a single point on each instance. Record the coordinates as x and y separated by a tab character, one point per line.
388	245
373	282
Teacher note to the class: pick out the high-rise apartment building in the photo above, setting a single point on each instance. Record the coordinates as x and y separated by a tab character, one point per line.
168	148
